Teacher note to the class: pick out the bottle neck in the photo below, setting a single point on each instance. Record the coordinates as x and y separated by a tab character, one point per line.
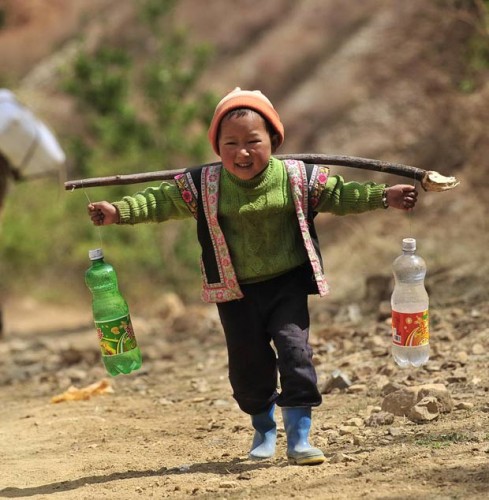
101	278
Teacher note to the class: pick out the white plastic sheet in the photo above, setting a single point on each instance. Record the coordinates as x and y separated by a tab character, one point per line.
26	142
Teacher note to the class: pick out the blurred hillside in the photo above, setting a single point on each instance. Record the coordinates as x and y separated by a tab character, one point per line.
397	81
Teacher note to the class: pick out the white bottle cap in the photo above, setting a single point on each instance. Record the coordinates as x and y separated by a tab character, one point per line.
409	244
96	254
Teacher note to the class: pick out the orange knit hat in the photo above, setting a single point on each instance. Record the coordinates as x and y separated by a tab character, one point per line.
252	99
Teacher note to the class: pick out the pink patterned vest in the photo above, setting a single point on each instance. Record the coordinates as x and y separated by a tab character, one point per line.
200	191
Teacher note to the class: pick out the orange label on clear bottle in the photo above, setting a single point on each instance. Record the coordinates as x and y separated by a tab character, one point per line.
410	329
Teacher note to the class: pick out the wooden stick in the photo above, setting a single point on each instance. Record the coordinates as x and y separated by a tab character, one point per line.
430	182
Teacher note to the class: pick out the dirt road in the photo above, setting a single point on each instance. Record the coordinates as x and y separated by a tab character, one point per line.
172	430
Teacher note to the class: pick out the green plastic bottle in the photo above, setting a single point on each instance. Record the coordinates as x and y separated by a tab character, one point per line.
120	351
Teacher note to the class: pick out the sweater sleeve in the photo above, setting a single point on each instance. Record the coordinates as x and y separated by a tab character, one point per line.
154	204
342	198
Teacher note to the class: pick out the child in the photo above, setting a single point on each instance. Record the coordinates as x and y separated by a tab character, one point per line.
260	257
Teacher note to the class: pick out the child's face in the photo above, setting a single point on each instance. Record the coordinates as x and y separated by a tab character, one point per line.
245	145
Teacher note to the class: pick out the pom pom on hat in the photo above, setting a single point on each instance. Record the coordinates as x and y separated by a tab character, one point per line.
252	99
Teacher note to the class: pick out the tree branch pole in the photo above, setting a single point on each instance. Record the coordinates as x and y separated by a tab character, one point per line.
430	180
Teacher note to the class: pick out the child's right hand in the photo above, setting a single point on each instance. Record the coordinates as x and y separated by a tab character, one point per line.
103	213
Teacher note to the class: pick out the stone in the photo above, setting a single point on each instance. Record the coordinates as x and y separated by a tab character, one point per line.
228	485
337	380
478	349
401	401
342	458
346	430
395	431
390	387
441	393
425	410
461	357
463	405
357	389
379	418
355	422
358	440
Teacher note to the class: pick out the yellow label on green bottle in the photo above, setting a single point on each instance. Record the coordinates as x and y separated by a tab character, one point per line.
116	335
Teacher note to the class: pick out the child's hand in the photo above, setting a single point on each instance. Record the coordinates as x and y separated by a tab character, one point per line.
402	196
103	213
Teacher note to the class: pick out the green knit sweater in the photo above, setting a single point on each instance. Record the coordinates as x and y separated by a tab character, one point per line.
257	216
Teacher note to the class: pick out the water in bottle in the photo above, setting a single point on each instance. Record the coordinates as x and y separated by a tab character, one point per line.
410	306
120	351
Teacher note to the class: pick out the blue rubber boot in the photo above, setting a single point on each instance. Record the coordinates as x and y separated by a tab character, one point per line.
297	423
263	445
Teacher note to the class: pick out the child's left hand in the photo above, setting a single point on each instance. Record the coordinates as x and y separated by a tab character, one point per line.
402	196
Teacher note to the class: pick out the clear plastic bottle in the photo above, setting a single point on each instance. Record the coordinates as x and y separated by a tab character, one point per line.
410	308
120	351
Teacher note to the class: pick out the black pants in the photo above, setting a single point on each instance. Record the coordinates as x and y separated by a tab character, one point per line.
271	311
